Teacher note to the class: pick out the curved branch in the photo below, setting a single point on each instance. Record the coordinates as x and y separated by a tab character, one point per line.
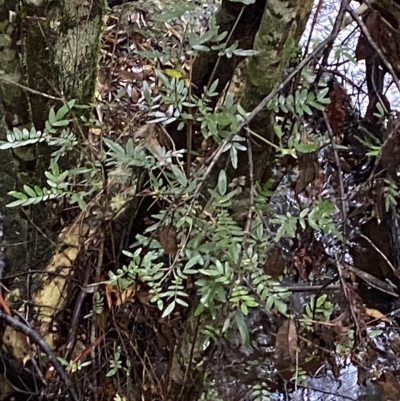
35	337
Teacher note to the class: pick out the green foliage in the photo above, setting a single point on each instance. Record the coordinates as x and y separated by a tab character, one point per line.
303	100
346	53
131	155
346	345
319	309
66	140
218	124
210	257
390	193
370	142
261	393
320	218
218	267
73	366
98	305
34	195
300	376
18	138
270	292
210	394
116	363
59	183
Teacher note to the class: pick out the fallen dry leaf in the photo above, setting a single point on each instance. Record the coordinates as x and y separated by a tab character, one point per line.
308	172
275	264
286	348
168	239
377	314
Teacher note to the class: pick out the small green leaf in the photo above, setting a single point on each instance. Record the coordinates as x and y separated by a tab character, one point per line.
222	184
234	157
317	105
30	191
179	175
117	148
169	309
52	116
321	300
241	324
245	53
199	310
61	123
246	2
18	195
306	147
281	306
374	333
321	94
191	263
214	86
15	203
182	302
64	109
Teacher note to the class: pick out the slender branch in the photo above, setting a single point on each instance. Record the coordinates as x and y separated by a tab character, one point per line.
340	177
97	276
313	288
36	338
379	251
374	45
26	88
210	80
2	257
251	199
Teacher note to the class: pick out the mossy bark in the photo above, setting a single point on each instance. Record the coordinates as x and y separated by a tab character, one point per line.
52	47
60	47
61	50
281	28
14	112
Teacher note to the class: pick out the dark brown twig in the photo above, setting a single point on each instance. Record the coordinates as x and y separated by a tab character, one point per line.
35	337
379	251
343	211
373	44
72	335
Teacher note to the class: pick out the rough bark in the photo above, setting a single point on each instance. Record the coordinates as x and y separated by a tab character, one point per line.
14	112
282	25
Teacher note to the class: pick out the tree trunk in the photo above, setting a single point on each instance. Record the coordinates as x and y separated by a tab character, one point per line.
281	28
382	231
242	23
52	48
